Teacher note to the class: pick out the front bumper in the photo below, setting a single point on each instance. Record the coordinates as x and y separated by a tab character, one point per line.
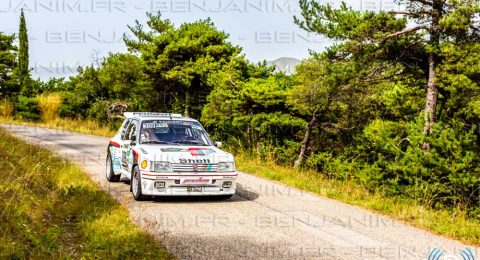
173	187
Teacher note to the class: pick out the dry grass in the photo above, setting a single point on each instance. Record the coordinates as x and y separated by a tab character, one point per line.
64	124
49	105
6	108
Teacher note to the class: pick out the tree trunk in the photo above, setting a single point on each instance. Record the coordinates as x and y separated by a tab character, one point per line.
249	136
432	86
306	140
188	101
432	96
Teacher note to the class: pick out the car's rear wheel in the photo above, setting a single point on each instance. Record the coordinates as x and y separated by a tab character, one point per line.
136	184
111	177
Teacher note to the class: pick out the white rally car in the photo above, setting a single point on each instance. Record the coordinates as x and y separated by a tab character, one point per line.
169	155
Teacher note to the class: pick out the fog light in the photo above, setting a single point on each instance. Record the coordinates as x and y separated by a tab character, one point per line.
159	184
227	184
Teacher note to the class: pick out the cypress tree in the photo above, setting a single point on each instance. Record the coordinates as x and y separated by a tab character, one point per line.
23	58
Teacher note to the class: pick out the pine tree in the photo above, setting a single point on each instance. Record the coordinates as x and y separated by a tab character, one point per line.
23	58
7	64
426	23
181	60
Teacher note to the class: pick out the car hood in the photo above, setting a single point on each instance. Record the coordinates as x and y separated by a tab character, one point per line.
184	154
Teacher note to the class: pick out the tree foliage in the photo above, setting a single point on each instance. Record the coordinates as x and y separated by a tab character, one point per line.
7	65
435	23
181	60
417	133
23	58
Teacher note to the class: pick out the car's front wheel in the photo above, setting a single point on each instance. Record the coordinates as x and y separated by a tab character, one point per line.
136	184
111	177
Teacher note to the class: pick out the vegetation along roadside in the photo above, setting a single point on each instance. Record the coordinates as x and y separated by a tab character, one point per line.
51	209
453	223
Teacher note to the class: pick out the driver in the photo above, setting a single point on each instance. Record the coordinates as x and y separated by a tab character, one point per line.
149	135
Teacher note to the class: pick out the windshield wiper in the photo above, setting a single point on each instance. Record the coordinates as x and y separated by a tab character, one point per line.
188	142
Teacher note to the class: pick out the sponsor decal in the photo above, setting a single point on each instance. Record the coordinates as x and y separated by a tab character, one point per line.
199	180
184	160
200	151
155	124
228	176
202	167
155	114
172	149
144	164
166	123
117	164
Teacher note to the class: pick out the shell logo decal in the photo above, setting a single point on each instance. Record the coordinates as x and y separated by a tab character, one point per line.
200	151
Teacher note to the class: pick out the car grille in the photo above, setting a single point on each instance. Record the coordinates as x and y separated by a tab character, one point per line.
200	167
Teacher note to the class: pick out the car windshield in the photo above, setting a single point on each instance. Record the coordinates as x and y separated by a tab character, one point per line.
175	132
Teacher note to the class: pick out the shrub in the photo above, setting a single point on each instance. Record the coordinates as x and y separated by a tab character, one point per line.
49	104
73	105
390	157
99	110
26	108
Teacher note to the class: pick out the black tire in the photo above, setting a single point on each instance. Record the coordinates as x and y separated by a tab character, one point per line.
111	177
136	184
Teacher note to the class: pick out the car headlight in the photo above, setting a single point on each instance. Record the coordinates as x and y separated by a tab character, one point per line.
161	167
226	167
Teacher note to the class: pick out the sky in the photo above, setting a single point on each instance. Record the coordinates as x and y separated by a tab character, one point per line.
65	34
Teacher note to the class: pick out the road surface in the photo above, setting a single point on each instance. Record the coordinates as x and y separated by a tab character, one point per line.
264	220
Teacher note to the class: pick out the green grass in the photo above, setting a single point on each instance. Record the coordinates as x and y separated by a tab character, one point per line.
50	209
450	223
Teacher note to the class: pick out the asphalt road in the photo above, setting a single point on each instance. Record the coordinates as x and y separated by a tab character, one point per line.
264	220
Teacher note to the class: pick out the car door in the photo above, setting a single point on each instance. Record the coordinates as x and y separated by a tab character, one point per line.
129	137
115	148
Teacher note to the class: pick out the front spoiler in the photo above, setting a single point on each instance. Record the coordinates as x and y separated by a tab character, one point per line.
175	189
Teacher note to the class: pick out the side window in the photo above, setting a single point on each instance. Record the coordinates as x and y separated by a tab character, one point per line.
124	129
131	133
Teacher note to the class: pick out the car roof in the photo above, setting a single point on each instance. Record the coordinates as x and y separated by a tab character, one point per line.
155	115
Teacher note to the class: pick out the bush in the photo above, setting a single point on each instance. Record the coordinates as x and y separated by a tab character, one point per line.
73	105
99	110
391	158
6	108
49	104
26	108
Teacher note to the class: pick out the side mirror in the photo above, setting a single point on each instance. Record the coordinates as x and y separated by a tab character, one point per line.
217	144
